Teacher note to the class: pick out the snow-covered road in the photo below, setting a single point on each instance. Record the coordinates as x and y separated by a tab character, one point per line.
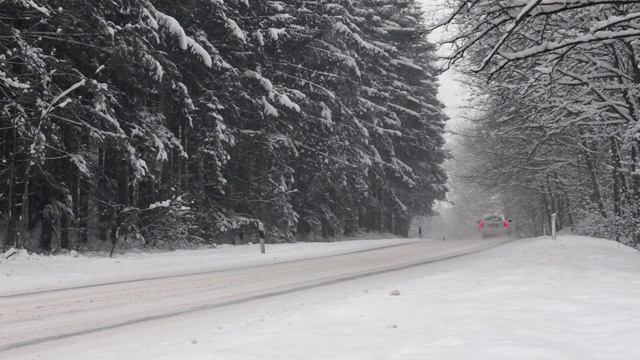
50	318
571	298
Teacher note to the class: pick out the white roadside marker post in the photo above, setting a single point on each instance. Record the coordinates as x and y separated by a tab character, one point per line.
261	235
553	226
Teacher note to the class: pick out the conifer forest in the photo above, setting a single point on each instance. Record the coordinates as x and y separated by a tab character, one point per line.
178	123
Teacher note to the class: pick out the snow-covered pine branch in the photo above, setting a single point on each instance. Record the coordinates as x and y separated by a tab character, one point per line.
174	28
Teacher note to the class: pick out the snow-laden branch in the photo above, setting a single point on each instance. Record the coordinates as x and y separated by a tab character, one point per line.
30	4
613	20
172	25
553	46
12	83
55	100
512	28
497	27
615	106
343	29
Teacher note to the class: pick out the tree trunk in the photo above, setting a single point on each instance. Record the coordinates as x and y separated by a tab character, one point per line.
547	215
635	180
596	195
568	208
393	223
105	212
122	178
12	224
83	211
46	234
616	187
65	224
615	159
66	220
14	207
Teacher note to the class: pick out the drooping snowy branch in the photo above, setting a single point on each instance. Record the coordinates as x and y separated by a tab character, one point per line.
185	42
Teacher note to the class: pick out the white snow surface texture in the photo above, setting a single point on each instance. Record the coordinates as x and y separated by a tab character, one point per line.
572	298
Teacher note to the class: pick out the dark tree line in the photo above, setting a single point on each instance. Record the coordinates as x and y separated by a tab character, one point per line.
187	122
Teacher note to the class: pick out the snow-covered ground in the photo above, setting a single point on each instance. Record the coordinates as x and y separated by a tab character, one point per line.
572	298
32	272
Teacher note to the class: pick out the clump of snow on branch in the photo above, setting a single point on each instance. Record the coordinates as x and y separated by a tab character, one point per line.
326	113
158	204
173	27
80	163
149	19
284	100
162	154
404	110
274	34
269	88
139	166
266	83
33	5
351	63
235	29
268	108
12	82
407	62
260	38
344	29
155	66
276	5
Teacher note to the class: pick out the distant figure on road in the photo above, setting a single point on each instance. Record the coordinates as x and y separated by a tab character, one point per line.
420	231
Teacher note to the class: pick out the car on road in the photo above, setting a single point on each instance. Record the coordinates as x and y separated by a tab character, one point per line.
494	225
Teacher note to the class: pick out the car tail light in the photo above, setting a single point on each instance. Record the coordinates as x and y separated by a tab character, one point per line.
480	225
506	224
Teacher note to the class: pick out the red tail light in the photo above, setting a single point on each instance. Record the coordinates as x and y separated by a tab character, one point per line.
480	225
506	224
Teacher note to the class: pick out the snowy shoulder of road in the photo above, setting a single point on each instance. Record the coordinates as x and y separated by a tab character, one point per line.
33	272
572	298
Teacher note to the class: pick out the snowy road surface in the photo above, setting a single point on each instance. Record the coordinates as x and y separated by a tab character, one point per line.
55	317
573	298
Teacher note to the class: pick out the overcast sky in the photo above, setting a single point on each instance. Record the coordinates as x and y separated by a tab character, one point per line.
451	93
